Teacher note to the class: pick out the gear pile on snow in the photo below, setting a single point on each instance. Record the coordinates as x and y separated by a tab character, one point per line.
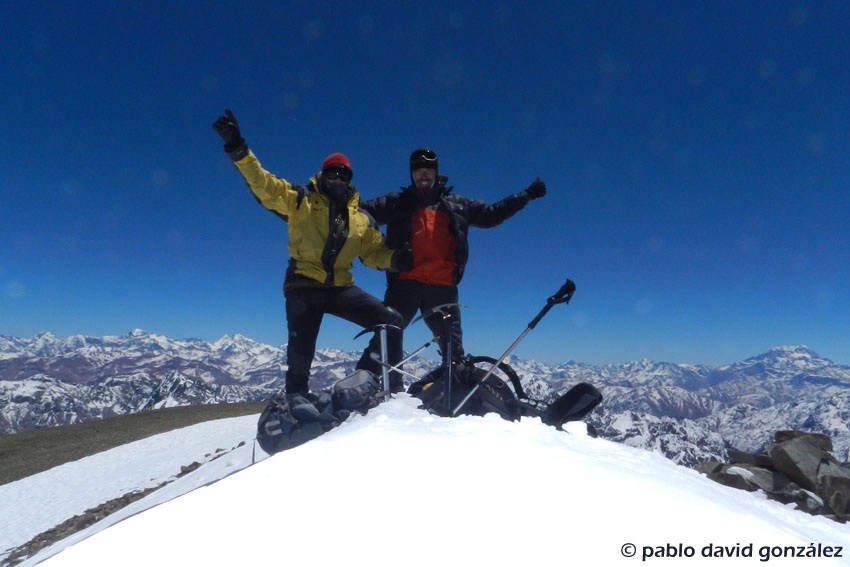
289	420
456	387
492	394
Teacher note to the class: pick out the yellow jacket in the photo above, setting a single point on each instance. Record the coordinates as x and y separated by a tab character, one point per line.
307	211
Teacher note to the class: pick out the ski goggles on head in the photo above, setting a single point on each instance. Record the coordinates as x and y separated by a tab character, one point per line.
337	172
423	158
424	155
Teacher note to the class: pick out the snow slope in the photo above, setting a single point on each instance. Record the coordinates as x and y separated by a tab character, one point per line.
401	487
42	501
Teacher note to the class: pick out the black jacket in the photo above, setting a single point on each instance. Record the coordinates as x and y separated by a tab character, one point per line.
396	211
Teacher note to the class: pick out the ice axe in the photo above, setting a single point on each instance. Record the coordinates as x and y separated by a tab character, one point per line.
444	310
563	295
382	333
381	358
397	368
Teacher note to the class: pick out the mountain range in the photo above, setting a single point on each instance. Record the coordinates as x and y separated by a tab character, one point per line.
689	413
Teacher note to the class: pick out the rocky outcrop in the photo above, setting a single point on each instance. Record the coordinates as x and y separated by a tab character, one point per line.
797	468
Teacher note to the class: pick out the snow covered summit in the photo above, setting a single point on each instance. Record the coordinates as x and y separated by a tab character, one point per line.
402	487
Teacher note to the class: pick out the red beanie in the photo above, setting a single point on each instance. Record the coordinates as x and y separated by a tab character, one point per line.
338	160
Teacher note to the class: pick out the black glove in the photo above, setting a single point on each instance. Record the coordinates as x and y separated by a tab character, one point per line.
402	259
228	128
536	190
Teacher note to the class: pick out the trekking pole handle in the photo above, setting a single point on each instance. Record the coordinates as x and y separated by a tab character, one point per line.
563	295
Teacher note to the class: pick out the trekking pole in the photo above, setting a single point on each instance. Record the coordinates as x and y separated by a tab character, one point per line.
563	295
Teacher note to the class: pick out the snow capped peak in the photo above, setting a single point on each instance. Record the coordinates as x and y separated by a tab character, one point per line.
43	338
237	340
45	344
798	352
790	357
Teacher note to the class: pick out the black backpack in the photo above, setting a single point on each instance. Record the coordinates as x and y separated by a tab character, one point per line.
508	399
288	420
358	392
494	395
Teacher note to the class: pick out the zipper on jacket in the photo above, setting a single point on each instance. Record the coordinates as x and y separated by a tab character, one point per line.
337	235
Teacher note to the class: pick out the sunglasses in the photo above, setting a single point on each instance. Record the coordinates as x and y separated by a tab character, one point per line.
337	173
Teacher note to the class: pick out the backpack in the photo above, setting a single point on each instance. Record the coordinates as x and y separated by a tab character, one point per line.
573	405
358	392
289	420
493	395
496	395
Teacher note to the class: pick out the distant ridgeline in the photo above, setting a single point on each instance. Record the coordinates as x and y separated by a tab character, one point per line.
690	413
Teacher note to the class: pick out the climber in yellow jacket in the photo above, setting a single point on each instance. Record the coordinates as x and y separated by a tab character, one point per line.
327	231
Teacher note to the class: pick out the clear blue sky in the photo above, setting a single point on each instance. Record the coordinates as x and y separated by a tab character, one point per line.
697	157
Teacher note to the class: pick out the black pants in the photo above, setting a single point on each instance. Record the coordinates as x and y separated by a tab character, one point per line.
305	308
407	297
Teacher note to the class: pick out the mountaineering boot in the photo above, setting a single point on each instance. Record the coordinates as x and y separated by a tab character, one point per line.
396	384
